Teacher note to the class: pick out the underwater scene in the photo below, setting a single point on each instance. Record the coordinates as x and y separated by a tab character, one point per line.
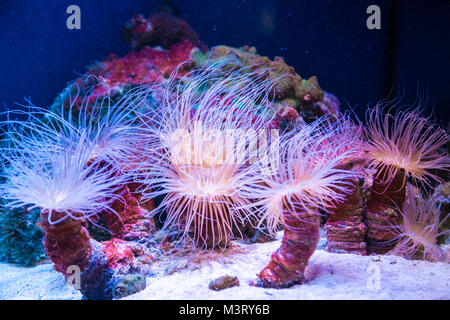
224	150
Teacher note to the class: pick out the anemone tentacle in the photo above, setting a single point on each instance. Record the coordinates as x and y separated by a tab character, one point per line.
417	235
399	146
309	177
199	140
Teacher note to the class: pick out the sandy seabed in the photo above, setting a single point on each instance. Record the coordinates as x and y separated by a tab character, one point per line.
329	276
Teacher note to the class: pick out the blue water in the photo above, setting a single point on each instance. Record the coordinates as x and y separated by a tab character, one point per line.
39	55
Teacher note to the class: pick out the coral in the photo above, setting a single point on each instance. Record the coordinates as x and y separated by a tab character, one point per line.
307	179
187	158
114	77
145	66
292	96
161	29
399	146
130	221
129	284
417	234
20	238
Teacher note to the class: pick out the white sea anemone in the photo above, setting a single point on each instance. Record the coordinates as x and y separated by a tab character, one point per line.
68	164
309	176
405	141
419	231
202	142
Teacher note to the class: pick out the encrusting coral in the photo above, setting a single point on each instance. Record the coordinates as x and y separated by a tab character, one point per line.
400	146
295	100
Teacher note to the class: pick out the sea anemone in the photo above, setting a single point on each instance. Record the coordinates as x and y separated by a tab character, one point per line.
70	165
202	144
309	172
345	226
65	163
405	142
417	235
308	178
398	146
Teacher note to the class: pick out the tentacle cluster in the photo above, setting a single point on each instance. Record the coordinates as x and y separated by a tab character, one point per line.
417	235
62	163
309	177
405	141
399	146
202	142
309	173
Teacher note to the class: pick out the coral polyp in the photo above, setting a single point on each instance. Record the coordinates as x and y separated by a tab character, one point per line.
417	235
198	139
308	178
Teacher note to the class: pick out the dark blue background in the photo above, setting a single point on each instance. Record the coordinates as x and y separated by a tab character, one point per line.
39	55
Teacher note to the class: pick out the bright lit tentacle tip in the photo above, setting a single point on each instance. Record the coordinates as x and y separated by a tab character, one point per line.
405	141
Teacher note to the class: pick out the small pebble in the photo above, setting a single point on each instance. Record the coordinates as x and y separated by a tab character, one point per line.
224	283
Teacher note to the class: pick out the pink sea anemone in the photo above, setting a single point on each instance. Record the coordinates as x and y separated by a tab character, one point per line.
418	233
202	141
310	173
405	141
309	177
71	167
400	146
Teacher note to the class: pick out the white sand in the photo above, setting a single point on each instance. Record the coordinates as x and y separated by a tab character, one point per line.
329	276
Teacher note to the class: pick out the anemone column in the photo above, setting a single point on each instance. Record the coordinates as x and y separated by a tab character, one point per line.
383	212
131	221
103	266
209	232
287	265
346	230
66	243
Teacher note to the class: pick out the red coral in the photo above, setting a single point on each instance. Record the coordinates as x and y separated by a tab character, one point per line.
131	221
161	29
145	66
118	254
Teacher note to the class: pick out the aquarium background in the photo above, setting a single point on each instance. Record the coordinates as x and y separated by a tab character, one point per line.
408	56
